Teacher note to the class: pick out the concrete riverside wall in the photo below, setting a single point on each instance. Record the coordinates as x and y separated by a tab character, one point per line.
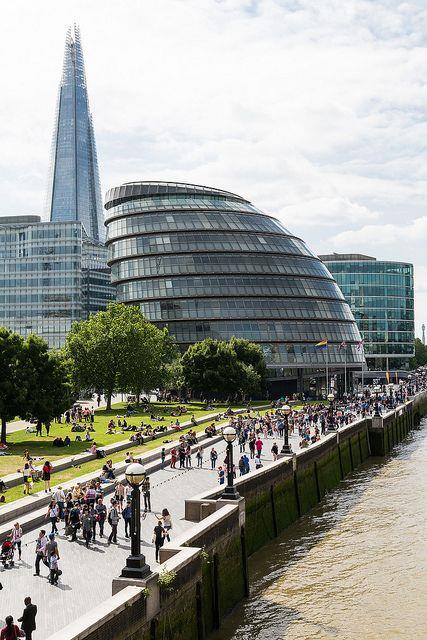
208	562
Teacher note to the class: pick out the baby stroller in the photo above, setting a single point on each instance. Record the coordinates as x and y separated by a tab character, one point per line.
6	554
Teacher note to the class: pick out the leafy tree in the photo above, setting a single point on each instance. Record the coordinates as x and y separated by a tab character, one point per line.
13	384
118	350
174	380
49	381
420	357
250	354
214	367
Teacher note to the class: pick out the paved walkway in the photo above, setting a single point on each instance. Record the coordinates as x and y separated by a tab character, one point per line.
88	573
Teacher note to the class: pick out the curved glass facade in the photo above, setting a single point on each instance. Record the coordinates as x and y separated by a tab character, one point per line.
381	296
207	263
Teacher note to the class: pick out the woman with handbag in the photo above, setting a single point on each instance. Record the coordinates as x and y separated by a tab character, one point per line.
46	471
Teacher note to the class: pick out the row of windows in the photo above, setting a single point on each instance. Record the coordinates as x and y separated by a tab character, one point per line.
369	266
383	314
285	354
41	313
389	348
35	281
227	285
201	222
25	234
41	250
184	202
361	292
37	266
217	262
189	242
389	336
370	304
382	325
265	331
371	279
240	308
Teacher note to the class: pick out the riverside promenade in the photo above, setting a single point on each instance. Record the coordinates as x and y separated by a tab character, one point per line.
88	573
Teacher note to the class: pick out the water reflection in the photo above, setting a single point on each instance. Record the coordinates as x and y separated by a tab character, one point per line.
355	567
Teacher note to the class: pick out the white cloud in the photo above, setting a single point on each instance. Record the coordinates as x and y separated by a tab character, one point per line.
314	110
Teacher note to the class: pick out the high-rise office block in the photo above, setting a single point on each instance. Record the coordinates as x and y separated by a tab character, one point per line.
51	275
381	296
74	192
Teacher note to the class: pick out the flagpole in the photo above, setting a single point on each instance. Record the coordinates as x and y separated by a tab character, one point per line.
345	370
327	369
363	367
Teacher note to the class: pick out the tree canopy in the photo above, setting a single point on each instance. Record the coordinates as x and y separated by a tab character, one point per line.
420	357
35	382
224	368
118	350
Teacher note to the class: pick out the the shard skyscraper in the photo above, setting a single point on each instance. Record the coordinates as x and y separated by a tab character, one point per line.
74	192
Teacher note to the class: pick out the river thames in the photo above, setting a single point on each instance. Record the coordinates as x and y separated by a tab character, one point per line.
355	567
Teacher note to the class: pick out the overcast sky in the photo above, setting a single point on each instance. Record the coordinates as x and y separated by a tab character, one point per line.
313	109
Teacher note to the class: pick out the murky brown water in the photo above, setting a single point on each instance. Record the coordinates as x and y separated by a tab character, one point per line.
354	568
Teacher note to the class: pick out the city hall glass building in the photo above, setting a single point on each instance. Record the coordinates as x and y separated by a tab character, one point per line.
51	274
207	263
381	296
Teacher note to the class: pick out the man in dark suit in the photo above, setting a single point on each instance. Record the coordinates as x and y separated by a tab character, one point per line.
28	619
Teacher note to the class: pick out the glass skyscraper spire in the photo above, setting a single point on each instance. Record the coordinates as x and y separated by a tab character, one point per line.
74	192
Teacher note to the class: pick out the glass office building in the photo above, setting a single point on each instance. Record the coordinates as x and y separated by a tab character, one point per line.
74	192
207	263
51	274
381	296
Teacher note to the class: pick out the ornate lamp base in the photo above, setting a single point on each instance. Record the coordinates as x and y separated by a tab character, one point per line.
136	567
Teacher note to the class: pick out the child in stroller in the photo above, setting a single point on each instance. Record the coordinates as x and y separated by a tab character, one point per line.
6	553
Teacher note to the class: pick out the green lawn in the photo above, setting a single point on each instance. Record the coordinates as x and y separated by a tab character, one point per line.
61	477
41	447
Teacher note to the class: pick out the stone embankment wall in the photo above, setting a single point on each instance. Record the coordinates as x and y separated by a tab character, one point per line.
209	561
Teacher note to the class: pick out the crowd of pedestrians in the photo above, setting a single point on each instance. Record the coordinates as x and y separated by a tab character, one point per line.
84	514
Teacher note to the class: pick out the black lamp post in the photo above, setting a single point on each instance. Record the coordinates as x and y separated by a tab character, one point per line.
377	390
286	449
230	493
136	567
331	399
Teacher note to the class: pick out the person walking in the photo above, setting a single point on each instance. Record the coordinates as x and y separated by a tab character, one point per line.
214	457
221	475
87	523
27	475
199	456
52	514
188	463
275	451
158	538
113	519
28	618
100	517
51	549
11	631
163	456
75	521
181	454
167	523
16	536
146	491
59	497
127	517
40	550
46	471
258	447
173	458
54	569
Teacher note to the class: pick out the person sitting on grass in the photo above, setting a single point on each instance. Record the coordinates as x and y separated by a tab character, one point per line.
108	470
